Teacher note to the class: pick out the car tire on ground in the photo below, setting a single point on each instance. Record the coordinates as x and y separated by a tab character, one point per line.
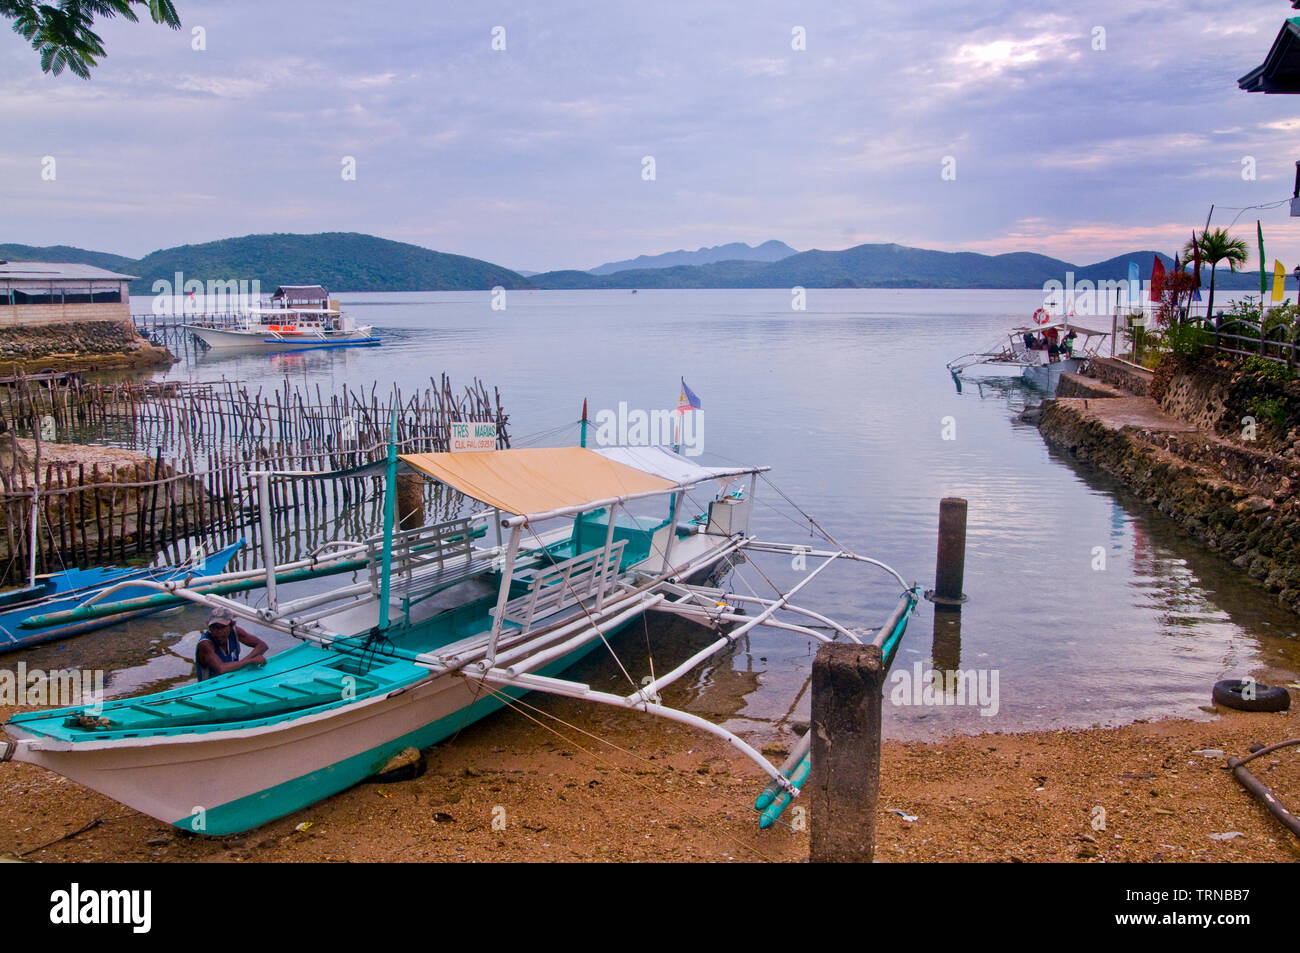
1230	694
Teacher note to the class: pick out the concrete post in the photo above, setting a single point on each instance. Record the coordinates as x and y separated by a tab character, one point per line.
847	688
950	562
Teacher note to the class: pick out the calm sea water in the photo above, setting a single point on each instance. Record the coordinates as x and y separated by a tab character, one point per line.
848	402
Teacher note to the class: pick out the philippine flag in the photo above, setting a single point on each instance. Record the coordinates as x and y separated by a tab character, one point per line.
688	400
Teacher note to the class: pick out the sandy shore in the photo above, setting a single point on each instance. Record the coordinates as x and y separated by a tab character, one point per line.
673	795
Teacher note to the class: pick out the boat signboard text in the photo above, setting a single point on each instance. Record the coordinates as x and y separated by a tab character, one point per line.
473	435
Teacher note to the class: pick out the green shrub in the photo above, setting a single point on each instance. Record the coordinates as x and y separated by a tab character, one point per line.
1269	370
1247	309
1185	340
1272	409
1284	315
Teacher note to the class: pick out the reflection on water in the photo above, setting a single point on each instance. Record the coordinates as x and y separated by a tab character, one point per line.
847	402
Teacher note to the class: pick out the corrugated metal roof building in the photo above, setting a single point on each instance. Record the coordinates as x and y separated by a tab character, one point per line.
42	292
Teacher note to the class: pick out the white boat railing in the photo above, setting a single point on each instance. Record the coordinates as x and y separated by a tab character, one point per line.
585	578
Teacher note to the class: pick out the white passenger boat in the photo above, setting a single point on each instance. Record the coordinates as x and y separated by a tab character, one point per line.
299	317
1037	352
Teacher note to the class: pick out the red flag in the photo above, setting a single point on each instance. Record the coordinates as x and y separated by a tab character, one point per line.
1157	278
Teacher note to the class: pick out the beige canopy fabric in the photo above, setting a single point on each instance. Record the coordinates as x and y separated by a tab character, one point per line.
537	479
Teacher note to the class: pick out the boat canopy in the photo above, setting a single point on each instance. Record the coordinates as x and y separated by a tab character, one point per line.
540	482
662	462
1060	326
291	310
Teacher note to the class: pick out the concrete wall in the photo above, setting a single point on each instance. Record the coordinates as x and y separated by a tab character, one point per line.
1076	385
30	314
1131	380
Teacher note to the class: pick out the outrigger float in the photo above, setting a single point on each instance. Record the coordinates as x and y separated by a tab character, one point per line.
1035	364
450	622
58	592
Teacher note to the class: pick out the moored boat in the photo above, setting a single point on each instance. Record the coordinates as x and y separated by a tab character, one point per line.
73	587
299	317
1036	352
453	620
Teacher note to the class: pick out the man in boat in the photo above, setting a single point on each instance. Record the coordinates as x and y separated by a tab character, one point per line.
1053	349
219	647
1067	345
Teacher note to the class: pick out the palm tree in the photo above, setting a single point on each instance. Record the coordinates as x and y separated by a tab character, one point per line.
1214	247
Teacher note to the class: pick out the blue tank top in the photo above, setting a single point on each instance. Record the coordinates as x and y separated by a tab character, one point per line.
230	653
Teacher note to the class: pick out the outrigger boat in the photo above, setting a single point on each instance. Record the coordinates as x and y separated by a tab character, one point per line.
452	621
300	317
287	329
1034	363
61	591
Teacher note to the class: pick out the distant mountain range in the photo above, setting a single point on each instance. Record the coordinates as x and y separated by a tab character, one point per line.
735	251
351	262
66	253
883	266
341	261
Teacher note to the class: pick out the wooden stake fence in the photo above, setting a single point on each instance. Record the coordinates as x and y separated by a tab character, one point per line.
203	440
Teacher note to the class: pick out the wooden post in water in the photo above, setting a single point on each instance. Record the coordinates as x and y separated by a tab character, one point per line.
950	562
410	500
844	784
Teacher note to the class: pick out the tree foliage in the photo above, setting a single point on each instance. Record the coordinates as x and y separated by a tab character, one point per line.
1175	298
63	35
1216	246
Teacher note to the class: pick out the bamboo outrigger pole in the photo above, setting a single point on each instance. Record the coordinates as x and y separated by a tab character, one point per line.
390	503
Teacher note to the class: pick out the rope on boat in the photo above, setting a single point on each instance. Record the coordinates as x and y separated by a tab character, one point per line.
585	611
519	704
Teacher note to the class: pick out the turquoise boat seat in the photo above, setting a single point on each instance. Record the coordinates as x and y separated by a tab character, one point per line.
590	529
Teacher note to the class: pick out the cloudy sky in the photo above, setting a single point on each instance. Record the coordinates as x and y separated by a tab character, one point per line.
533	156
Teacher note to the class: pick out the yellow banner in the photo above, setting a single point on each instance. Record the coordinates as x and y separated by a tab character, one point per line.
1279	280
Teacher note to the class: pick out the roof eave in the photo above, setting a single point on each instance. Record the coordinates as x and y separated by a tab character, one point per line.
1256	81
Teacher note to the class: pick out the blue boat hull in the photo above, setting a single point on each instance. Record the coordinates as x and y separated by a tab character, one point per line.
67	590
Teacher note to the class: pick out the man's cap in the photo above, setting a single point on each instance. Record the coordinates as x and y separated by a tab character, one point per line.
221	614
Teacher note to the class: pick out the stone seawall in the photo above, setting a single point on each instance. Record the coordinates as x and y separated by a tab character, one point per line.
1122	376
1198	398
1076	385
81	345
1234	500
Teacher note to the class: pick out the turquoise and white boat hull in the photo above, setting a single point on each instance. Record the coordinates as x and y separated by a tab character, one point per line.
219	779
220	782
260	339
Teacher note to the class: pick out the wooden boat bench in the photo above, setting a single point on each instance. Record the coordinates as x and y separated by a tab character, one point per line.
560	585
430	559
